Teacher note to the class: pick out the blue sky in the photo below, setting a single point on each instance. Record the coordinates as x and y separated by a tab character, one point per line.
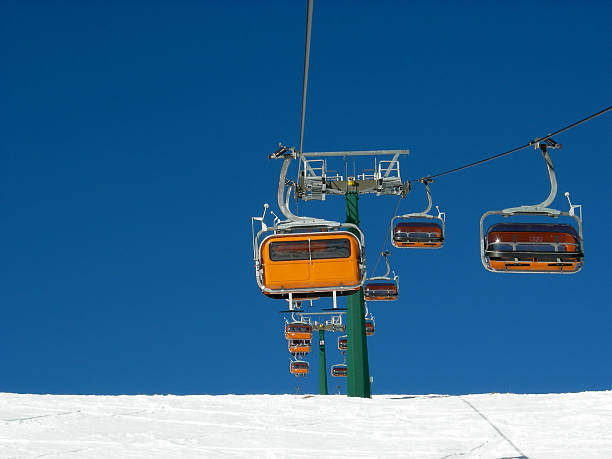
133	152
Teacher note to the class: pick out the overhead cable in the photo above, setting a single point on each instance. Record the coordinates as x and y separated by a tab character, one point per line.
306	63
532	142
304	88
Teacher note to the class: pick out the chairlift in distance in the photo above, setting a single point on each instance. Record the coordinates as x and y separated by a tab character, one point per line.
382	288
530	247
343	343
419	230
298	331
298	367
370	326
339	370
299	346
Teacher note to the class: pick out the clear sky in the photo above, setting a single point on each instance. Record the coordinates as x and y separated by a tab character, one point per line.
133	149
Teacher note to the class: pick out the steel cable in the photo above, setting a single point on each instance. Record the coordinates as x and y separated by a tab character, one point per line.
306	63
532	142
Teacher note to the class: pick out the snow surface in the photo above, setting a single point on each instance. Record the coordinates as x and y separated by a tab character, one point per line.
280	426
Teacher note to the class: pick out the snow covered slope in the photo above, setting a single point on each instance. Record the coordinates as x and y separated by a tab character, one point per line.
279	426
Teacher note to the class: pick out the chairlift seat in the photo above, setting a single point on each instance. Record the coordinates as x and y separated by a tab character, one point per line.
339	370
380	291
299	346
369	327
342	343
533	247
415	234
298	368
298	330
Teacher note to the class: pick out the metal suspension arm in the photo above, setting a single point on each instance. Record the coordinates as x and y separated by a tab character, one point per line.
426	183
541	208
551	174
386	255
282	200
282	197
425	213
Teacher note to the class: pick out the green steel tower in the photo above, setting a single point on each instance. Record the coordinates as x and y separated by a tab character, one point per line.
358	381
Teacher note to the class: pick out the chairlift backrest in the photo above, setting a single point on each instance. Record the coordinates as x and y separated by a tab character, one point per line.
299	346
298	367
298	330
380	291
339	370
417	234
533	247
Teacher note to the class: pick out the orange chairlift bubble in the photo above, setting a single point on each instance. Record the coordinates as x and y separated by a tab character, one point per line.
298	330
533	247
303	262
298	367
339	370
419	230
382	288
311	263
299	346
342	343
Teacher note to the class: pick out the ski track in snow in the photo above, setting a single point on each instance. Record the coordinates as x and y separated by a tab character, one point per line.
496	429
495	426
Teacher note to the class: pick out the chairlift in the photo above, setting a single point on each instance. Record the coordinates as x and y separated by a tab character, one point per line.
299	346
306	257
382	288
530	247
298	331
339	370
343	343
298	367
310	264
419	230
369	326
305	262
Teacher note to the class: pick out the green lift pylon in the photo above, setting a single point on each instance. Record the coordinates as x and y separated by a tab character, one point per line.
358	378
322	364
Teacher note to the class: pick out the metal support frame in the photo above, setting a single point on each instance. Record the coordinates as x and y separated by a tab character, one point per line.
333	324
357	153
313	178
314	181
